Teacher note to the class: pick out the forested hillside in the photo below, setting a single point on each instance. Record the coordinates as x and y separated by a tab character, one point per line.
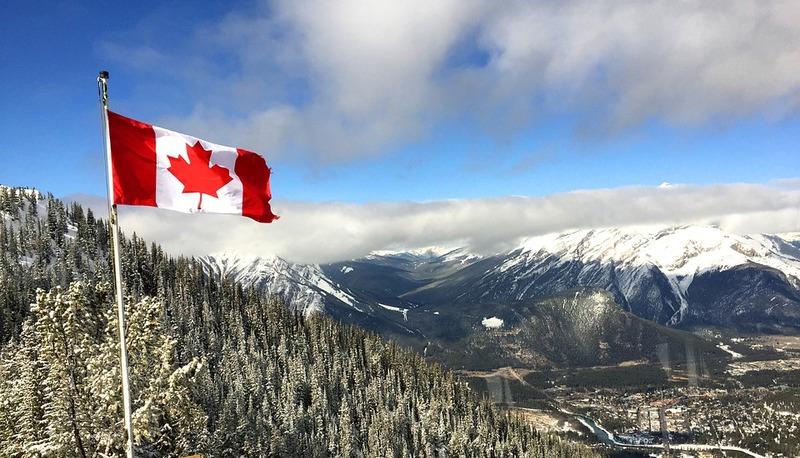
215	368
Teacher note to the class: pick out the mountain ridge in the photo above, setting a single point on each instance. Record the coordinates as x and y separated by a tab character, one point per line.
682	277
702	249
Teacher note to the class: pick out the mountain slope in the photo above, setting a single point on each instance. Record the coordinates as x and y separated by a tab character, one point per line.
518	308
215	368
651	272
440	300
581	327
301	287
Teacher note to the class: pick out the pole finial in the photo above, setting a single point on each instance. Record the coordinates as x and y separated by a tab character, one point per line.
102	87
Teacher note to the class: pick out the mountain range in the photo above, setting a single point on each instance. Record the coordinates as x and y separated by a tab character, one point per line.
573	298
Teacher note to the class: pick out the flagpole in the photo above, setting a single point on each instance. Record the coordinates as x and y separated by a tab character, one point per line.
102	85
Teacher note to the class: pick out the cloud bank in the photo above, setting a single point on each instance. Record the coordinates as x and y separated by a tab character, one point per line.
333	81
330	231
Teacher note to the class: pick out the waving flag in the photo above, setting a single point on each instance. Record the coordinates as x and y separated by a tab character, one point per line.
156	167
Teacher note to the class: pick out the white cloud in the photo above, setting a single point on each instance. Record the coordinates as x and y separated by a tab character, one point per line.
373	75
330	231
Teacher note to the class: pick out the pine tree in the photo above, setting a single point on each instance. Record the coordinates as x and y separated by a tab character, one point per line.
215	368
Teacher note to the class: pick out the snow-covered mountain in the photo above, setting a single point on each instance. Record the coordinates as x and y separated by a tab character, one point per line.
680	252
679	276
662	274
303	287
636	262
793	238
676	276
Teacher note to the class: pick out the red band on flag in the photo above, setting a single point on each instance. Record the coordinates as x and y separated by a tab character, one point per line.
156	167
133	161
252	170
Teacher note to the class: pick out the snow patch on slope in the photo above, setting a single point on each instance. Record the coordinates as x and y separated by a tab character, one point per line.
303	286
727	349
492	323
790	236
396	309
434	251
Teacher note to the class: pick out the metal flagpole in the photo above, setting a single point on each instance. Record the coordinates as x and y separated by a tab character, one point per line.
102	85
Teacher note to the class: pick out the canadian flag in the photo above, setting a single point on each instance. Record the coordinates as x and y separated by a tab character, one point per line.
157	167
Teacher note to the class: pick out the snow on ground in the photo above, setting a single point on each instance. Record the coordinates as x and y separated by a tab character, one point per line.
446	253
428	251
396	309
322	282
305	284
682	253
790	236
346	269
727	349
492	323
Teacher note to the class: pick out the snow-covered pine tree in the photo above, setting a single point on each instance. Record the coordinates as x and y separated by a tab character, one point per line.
65	371
214	368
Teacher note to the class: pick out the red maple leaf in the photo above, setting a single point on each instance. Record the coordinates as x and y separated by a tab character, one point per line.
198	175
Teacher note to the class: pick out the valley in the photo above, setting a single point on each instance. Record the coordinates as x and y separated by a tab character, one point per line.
750	403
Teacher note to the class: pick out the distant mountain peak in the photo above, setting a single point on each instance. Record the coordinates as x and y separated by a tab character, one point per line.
678	251
790	236
428	252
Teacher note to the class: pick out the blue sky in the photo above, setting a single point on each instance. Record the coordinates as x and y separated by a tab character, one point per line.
179	67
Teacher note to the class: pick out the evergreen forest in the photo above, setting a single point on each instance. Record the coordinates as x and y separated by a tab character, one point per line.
216	369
